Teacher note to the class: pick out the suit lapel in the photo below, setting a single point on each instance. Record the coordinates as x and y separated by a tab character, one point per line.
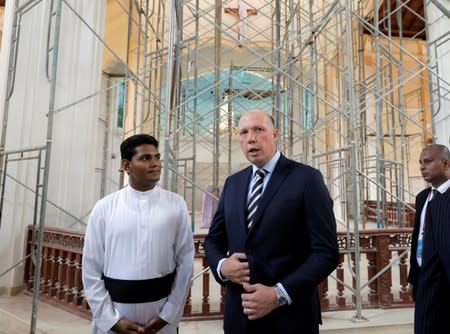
420	204
276	179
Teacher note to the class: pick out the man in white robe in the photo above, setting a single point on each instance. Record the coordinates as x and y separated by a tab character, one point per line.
138	253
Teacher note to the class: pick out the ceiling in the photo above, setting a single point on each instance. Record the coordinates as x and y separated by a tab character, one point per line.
411	21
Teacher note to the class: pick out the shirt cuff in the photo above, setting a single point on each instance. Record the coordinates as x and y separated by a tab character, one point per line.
219	266
286	295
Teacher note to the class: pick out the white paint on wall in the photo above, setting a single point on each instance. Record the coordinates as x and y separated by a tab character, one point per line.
76	152
439	44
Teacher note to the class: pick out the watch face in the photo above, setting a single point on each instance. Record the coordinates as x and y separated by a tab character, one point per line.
281	299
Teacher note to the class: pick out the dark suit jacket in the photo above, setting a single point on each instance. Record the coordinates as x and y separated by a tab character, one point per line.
414	268
433	285
292	241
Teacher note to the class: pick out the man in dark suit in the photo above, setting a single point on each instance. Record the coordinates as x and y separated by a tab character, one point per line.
432	288
272	250
433	168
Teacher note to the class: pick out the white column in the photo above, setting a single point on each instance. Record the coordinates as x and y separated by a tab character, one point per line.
440	52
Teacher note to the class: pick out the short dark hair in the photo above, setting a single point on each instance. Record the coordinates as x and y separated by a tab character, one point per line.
128	146
444	153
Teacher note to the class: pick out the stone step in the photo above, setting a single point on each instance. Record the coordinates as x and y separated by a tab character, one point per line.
15	317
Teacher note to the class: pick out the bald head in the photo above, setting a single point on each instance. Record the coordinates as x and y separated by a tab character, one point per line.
441	151
258	113
435	164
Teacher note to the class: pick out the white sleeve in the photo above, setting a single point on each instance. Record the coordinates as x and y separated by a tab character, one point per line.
184	258
105	315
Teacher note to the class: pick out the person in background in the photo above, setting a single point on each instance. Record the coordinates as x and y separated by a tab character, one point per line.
432	276
434	167
272	239
138	253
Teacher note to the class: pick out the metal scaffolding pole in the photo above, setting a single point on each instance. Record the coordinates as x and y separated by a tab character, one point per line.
379	151
353	120
169	82
42	218
217	92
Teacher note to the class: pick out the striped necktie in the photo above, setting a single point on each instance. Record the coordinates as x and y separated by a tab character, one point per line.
255	195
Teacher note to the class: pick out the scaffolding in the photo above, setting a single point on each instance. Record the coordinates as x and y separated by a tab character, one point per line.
327	73
352	91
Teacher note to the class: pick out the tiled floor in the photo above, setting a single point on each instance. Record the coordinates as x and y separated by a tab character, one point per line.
15	319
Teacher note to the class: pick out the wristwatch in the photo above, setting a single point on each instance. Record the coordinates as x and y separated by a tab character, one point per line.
281	299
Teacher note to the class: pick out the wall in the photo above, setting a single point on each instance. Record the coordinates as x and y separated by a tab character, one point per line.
76	154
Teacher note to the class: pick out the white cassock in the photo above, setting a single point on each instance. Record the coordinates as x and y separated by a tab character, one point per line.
135	235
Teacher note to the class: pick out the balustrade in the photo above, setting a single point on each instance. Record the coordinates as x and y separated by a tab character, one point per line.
391	211
61	283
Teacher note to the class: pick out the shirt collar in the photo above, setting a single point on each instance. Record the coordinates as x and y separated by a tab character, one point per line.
270	166
142	194
443	187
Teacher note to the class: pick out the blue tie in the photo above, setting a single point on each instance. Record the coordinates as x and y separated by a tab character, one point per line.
255	195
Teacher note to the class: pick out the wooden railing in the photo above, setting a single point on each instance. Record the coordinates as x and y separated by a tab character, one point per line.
61	283
391	211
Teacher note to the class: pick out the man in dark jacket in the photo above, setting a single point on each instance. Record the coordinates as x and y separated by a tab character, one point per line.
434	167
272	239
430	248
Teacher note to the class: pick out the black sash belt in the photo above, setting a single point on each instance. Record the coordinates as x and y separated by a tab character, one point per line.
139	291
